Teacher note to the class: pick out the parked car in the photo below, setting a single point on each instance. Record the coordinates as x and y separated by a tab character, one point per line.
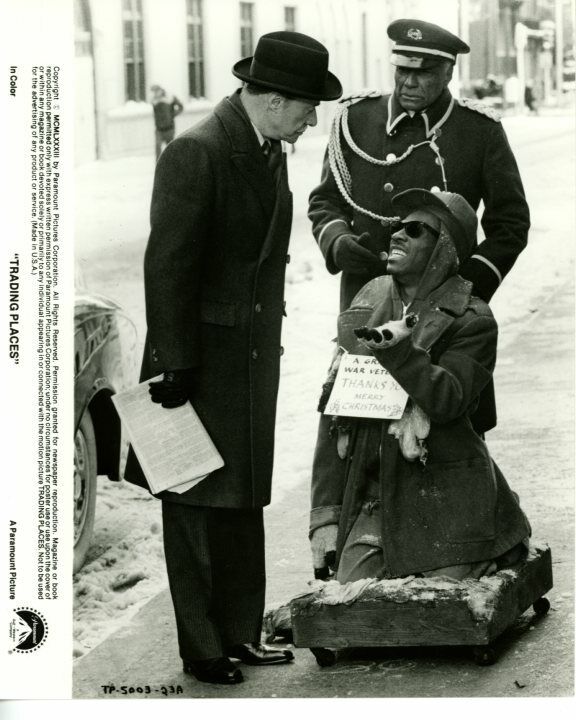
99	372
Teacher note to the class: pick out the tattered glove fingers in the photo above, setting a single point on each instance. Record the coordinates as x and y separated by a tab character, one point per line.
388	334
366	333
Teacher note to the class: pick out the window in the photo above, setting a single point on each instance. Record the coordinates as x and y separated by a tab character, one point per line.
135	81
246	29
82	28
290	18
195	45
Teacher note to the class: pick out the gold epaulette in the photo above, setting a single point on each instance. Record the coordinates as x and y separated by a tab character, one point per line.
360	95
480	108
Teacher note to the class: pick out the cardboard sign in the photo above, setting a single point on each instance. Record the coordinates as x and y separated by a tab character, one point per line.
363	388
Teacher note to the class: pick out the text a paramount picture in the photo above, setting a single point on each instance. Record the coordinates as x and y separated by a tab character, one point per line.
37	365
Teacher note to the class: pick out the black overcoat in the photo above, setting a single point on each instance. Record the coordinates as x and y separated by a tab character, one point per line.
214	283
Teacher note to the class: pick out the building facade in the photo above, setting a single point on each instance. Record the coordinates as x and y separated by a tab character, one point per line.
548	26
189	46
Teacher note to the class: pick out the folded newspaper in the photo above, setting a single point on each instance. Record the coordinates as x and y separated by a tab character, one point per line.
172	446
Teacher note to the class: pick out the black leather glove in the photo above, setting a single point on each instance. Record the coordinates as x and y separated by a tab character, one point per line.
176	387
351	254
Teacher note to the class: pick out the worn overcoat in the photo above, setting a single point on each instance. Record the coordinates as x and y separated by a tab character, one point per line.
456	508
214	282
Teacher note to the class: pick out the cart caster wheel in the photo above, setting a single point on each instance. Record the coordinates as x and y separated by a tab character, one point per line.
324	657
541	606
484	655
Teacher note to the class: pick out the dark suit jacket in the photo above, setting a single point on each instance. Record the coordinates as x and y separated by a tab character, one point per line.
214	283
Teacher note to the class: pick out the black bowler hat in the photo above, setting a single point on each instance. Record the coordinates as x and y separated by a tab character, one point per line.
292	63
452	209
419	44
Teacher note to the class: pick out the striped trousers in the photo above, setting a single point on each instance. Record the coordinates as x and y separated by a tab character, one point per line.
216	573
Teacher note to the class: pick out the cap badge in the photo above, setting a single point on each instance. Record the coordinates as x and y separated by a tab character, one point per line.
414	34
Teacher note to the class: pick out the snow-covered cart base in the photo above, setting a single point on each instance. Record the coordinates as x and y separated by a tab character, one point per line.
421	611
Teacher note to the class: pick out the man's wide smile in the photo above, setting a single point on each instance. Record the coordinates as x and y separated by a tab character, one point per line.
397	252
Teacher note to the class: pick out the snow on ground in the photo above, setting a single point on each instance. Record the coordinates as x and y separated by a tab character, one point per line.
125	567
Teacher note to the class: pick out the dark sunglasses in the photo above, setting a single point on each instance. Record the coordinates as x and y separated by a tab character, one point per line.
415	229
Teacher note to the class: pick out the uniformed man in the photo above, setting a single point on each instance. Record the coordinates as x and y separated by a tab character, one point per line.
419	136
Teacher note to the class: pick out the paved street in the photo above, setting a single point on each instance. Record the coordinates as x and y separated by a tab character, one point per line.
533	445
536	655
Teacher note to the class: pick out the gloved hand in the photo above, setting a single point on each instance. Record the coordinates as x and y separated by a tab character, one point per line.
351	253
176	387
388	334
323	544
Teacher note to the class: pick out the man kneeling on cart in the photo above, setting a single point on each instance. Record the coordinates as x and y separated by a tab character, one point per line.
419	495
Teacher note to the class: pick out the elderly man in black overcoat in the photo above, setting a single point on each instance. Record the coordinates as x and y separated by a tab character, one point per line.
215	263
418	136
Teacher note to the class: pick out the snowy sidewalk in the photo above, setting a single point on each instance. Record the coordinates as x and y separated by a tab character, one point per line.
533	445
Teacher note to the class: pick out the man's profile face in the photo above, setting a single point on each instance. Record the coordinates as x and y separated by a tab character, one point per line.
409	256
290	118
417	88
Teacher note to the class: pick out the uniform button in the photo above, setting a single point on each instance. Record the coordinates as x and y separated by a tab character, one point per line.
254	354
388	187
257	308
281	351
154	356
287	259
390	157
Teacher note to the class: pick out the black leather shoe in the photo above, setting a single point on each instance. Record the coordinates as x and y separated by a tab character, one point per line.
216	670
259	654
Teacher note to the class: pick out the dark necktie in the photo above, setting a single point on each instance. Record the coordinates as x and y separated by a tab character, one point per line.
272	149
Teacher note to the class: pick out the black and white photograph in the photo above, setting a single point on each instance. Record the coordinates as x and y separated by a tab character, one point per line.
290	352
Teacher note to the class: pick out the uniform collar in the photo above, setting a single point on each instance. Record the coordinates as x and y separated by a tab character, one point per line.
434	116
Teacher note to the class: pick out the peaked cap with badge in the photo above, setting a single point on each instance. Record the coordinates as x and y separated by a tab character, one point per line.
378	149
419	44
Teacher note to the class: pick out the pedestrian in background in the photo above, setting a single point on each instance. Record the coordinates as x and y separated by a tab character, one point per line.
529	98
165	110
214	270
419	136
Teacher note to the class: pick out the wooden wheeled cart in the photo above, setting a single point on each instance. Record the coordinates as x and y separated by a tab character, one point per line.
422	611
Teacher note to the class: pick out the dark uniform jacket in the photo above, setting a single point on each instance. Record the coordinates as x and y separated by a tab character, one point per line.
214	283
457	508
478	164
